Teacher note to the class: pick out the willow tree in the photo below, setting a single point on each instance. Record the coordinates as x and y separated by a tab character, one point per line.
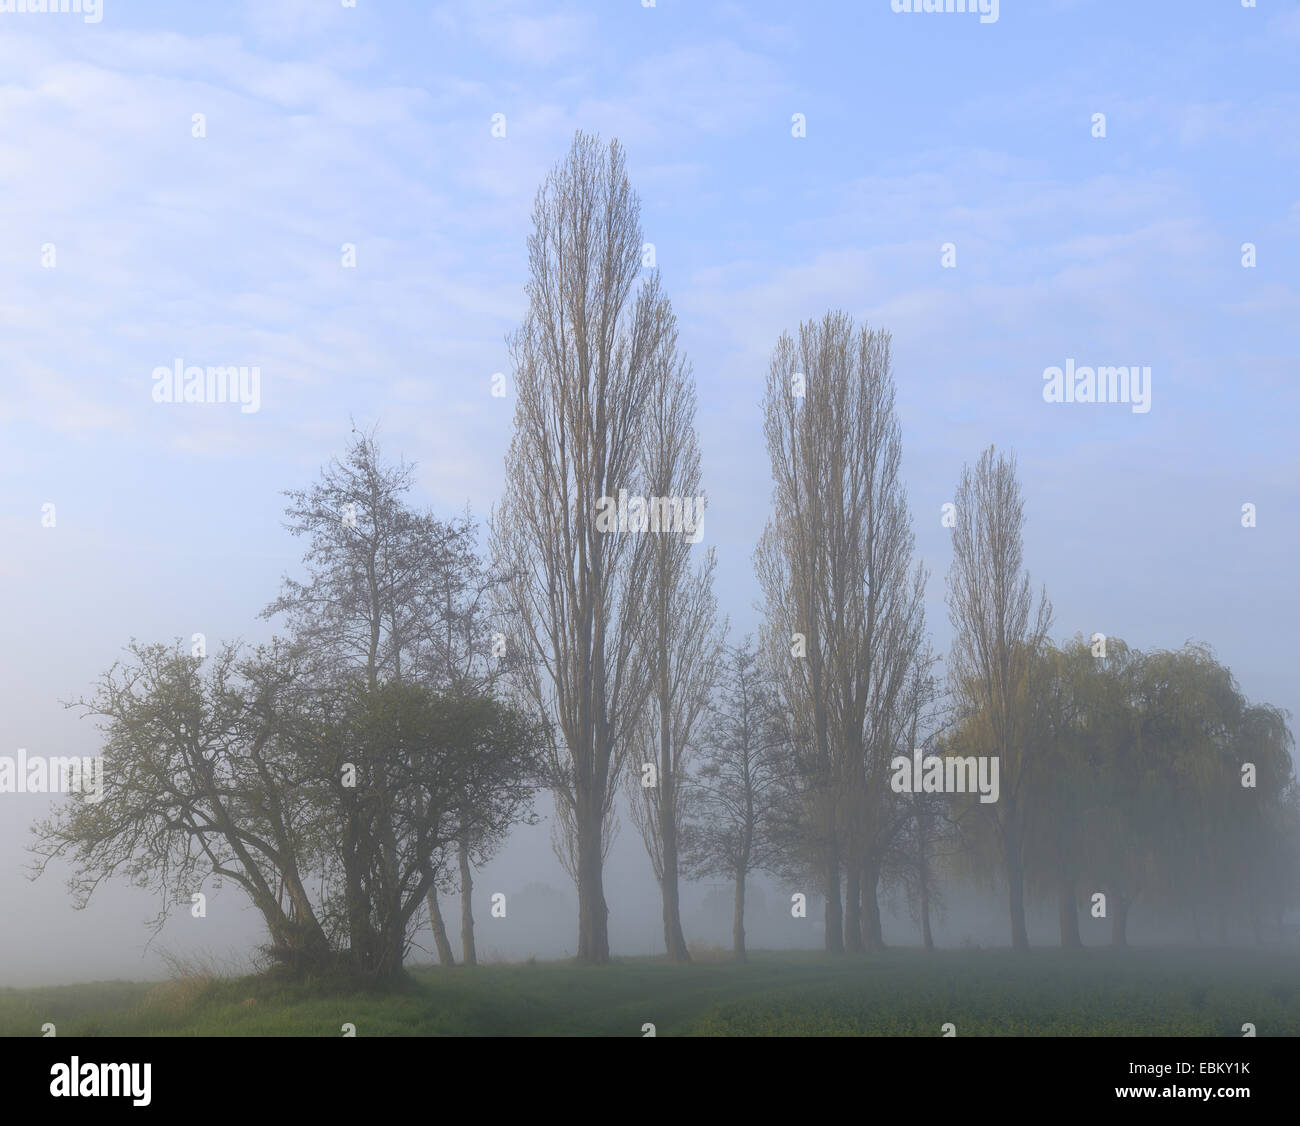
1208	781
998	637
584	362
1087	726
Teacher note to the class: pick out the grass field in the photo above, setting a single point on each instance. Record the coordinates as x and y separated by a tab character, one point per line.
1098	992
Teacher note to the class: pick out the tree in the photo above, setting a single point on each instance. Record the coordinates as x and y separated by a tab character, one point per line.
395	595
997	636
729	831
1266	814
461	657
926	835
1097	742
429	770
834	563
360	752
1215	772
680	636
200	781
585	371
377	573
249	770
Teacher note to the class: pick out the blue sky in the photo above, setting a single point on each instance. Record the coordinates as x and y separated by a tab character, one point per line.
371	125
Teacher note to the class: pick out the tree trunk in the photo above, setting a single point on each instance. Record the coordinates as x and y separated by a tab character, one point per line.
1016	888
297	938
445	955
361	938
738	922
392	948
853	907
927	938
834	911
1118	919
1069	913
674	940
593	914
872	933
923	875
468	954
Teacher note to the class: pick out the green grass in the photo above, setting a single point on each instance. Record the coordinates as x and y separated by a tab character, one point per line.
1099	992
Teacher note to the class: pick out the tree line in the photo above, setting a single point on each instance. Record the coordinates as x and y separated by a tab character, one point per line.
364	763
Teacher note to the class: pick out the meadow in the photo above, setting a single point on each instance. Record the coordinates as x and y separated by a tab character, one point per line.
1095	992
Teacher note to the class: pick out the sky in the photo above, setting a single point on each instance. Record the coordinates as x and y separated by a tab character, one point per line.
134	235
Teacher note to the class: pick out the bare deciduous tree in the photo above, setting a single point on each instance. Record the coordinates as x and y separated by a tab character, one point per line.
997	636
681	637
927	835
842	598
372	601
584	370
732	802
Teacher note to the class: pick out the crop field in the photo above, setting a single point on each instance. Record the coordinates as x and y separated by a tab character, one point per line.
902	992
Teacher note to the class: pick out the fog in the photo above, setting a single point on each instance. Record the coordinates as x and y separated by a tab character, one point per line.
226	249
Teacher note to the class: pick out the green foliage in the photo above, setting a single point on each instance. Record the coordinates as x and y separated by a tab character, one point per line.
1136	787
